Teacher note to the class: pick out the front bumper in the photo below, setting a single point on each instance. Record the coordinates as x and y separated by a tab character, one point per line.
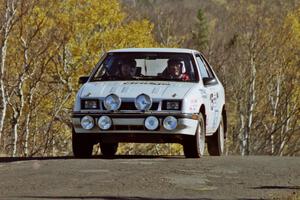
133	123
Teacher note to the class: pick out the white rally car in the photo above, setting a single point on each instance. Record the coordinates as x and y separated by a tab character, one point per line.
150	95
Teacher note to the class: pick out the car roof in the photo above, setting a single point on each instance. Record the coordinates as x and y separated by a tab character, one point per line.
163	50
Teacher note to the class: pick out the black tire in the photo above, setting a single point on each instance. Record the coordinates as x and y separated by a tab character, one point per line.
108	149
82	145
215	143
194	146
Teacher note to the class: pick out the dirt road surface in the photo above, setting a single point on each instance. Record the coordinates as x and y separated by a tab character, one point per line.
149	178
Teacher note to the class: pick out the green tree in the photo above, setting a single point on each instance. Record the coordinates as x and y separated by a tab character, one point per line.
200	36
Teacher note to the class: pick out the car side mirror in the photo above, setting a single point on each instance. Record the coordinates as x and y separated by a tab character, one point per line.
209	81
83	79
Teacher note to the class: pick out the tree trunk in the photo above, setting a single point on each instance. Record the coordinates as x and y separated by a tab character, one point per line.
10	13
275	107
242	136
251	105
3	95
27	123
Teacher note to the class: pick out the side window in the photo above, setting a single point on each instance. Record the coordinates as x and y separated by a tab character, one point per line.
209	71
203	69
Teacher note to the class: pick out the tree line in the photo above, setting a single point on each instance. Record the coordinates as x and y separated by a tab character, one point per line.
46	45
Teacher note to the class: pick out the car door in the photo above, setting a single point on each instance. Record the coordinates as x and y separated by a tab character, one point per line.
212	91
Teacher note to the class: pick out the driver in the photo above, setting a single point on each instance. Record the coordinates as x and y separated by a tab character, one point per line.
175	70
127	69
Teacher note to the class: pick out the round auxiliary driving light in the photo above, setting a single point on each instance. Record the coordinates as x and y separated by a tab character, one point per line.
104	122
170	123
143	102
151	123
112	102
87	122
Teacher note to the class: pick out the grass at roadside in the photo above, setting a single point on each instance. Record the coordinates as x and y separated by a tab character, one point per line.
293	196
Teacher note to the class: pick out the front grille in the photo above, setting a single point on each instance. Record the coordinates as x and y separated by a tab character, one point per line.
131	106
127	106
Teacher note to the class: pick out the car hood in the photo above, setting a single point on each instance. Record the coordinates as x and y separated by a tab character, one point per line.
131	89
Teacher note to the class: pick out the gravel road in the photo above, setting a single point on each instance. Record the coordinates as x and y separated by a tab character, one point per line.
149	178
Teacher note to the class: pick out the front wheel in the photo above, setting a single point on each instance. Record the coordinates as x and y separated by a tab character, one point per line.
81	144
108	149
194	146
215	143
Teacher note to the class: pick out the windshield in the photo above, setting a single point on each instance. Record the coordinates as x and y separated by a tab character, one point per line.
147	66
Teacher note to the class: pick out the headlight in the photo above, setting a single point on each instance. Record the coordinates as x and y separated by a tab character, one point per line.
143	102
90	104
170	123
151	123
87	122
171	105
104	122
112	102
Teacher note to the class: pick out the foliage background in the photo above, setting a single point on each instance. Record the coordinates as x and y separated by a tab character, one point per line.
254	46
